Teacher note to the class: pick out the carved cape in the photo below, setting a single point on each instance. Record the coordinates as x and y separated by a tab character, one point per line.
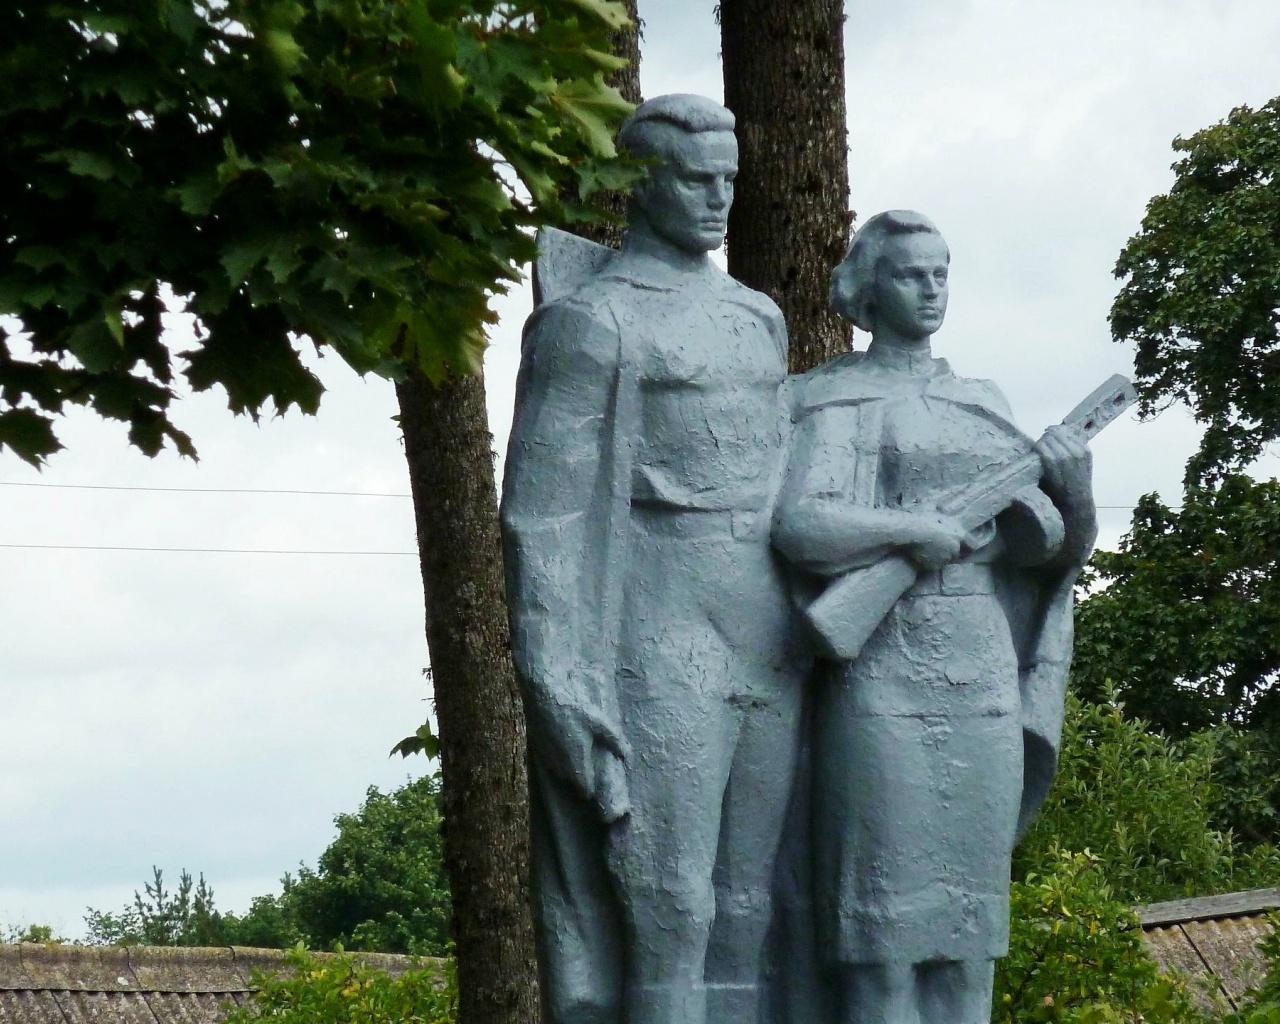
565	519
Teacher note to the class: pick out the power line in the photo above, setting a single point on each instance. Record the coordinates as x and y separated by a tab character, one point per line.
194	551
203	490
268	490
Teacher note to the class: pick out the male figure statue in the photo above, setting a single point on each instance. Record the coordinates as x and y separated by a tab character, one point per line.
651	625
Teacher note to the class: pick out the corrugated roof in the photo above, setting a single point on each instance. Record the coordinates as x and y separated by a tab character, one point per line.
1213	940
59	984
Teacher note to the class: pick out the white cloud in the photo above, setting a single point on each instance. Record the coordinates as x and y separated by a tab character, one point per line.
214	711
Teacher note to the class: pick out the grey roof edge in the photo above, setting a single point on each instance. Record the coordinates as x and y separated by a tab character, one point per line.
51	967
1201	908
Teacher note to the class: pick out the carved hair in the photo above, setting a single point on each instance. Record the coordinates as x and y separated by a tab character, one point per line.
648	132
855	275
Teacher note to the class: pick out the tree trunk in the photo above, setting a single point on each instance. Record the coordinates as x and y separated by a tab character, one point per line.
480	718
784	81
477	701
626	43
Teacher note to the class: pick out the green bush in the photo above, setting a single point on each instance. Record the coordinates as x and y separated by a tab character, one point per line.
1076	955
342	990
1144	806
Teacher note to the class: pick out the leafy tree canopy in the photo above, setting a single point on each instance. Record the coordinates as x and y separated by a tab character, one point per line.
1201	292
362	173
1189	626
342	990
1183	617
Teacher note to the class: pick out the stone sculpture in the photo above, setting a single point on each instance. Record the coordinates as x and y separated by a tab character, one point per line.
651	624
936	547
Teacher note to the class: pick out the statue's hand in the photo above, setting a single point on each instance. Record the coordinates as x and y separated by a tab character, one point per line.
582	746
936	540
1068	466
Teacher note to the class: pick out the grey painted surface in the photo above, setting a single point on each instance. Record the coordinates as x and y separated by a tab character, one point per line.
652	625
670	502
936	730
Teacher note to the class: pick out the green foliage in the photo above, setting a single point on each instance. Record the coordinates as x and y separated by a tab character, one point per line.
379	887
1142	805
381	884
341	990
163	917
1204	580
363	173
41	933
1246	785
1201	292
1076	954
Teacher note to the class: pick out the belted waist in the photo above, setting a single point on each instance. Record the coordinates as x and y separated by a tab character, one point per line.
955	580
696	523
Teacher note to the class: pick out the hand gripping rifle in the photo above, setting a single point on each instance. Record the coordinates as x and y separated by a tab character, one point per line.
848	611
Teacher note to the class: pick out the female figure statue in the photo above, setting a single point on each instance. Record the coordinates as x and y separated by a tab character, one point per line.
934	744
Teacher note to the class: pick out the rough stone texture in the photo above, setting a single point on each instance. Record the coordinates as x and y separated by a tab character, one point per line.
650	621
935	736
481	723
784	80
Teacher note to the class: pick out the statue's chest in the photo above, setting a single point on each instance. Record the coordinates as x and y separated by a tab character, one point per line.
930	445
705	345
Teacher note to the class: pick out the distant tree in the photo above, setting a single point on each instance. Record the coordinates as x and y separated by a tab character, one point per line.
380	886
41	933
1143	806
1188	625
161	916
1183	618
1201	295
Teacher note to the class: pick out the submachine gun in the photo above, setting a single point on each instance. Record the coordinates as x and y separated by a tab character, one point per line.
848	611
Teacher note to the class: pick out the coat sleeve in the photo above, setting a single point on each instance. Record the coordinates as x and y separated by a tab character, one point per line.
556	509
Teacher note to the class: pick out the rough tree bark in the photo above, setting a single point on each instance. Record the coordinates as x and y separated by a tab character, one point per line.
480	719
784	81
478	710
626	43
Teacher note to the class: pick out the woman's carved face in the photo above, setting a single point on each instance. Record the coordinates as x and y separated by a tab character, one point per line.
910	293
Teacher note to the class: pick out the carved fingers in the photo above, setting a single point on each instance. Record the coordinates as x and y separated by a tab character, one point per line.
1068	464
938	541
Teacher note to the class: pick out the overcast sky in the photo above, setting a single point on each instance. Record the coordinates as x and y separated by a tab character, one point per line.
213	711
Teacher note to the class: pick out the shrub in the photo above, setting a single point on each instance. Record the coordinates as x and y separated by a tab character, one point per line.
1143	806
1076	955
342	990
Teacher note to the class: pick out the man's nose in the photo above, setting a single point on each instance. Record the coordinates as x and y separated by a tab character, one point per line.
719	194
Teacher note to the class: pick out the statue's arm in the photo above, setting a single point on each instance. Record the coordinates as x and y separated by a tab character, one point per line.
1068	480
552	513
818	526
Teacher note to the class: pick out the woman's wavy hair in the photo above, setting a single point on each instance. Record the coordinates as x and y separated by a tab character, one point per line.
853	279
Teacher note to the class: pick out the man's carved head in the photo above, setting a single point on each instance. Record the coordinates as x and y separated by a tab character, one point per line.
686	196
865	291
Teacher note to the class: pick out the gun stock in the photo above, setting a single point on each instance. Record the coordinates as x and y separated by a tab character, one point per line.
848	611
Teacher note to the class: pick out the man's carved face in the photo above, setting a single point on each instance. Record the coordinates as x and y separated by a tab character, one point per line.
686	198
910	298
